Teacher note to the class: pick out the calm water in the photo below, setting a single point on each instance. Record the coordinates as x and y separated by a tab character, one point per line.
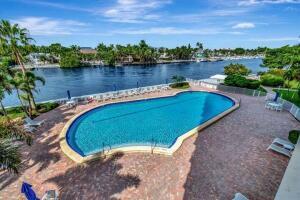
116	125
84	81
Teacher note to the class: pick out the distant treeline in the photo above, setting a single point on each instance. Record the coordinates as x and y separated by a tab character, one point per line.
137	53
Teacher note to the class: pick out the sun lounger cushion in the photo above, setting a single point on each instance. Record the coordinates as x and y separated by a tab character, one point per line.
280	150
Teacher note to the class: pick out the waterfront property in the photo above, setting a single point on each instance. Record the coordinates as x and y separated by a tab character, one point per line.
227	157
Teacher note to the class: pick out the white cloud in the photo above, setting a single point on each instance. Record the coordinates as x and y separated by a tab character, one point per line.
47	26
133	11
244	25
279	39
172	31
258	2
58	5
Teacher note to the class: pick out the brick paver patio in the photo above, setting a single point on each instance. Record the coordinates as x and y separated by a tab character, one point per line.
229	156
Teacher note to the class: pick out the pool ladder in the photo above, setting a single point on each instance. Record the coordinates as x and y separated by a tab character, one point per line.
103	149
153	145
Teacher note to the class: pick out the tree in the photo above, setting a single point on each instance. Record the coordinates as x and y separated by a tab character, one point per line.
4	83
178	79
70	59
199	45
288	75
13	40
237	69
284	57
10	157
27	84
296	75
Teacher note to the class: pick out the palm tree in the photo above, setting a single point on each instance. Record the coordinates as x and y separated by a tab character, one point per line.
296	75
199	45
13	39
10	157
16	82
4	84
27	84
2	92
288	75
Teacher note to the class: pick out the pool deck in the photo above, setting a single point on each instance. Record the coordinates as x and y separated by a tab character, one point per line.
136	149
227	157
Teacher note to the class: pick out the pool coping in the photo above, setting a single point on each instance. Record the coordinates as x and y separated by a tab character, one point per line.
73	155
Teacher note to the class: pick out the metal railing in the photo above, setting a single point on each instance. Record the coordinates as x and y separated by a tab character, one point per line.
97	95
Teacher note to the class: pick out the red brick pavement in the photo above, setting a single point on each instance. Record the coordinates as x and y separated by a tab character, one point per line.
229	156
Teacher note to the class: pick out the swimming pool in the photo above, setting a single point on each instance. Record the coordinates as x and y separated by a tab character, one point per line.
155	122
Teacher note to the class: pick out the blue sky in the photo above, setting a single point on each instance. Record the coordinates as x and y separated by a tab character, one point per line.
216	23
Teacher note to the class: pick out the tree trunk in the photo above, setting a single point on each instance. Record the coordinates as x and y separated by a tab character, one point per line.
3	109
21	102
19	61
32	101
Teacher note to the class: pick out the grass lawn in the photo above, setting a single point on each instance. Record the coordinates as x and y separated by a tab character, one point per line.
291	96
17	112
292	84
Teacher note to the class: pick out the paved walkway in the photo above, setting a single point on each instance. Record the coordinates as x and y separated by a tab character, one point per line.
229	156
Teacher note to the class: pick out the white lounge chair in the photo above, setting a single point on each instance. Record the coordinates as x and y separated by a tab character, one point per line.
107	96
239	196
281	150
71	103
286	144
99	98
30	122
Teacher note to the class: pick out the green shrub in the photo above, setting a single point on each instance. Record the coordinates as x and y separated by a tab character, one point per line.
237	69
70	59
181	85
253	84
271	80
293	136
276	72
240	81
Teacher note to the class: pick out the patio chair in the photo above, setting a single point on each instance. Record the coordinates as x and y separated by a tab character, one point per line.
99	98
89	99
286	144
71	103
114	95
50	195
239	196
29	122
107	96
281	150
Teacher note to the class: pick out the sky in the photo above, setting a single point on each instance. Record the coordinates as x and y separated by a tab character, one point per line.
168	23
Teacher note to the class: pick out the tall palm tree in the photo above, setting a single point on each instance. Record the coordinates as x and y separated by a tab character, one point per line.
13	39
27	84
4	84
2	92
16	82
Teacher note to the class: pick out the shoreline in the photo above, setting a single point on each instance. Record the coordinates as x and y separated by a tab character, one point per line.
49	66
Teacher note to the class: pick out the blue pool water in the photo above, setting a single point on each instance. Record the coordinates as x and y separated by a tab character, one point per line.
144	122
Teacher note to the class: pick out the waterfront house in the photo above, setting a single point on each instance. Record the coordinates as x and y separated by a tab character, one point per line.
87	50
